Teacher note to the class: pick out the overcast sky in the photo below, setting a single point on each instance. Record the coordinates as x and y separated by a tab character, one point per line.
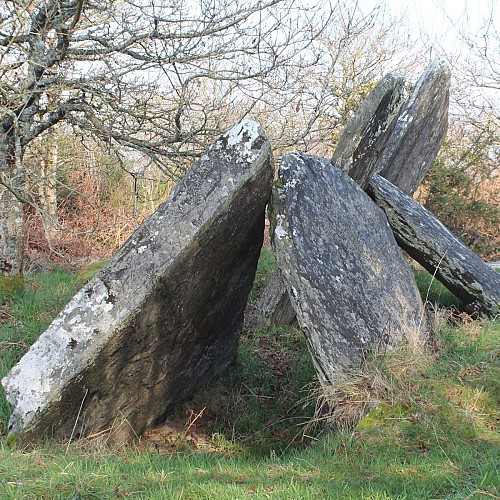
442	19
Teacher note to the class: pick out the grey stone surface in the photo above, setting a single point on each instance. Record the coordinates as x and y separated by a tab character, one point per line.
165	313
431	244
414	142
347	279
274	307
356	154
366	134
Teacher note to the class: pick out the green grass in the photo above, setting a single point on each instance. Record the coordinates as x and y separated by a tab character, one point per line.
10	286
434	436
433	291
25	315
443	444
265	268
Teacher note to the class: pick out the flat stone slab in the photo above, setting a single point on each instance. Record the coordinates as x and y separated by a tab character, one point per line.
356	154
437	249
163	316
417	133
365	136
347	279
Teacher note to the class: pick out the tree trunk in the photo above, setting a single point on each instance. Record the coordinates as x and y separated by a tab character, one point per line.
11	209
48	194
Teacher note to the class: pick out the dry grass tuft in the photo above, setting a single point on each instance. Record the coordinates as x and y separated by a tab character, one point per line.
385	376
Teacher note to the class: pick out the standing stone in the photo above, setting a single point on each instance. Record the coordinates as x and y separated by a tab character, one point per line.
365	136
347	279
356	154
418	132
164	316
425	239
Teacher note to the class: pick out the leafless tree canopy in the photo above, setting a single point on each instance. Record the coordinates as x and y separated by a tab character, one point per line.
134	73
156	81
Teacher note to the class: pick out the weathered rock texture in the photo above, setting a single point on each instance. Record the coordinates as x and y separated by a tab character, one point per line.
164	315
365	136
347	279
432	245
414	142
274	307
356	154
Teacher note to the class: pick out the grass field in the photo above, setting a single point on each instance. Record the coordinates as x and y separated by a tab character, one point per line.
255	432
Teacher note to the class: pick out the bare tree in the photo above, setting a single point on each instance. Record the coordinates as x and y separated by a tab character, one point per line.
462	187
131	73
318	99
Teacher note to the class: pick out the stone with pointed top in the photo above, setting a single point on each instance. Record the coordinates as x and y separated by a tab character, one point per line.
365	136
418	131
347	279
163	316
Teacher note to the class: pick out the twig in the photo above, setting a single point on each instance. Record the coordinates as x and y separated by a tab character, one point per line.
76	420
16	344
430	285
192	421
100	433
482	492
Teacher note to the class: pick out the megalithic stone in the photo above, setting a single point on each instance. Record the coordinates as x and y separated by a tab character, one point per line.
164	315
347	279
403	148
431	244
364	137
414	142
356	154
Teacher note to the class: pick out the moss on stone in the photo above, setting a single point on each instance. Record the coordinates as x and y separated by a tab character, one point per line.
89	271
380	416
12	441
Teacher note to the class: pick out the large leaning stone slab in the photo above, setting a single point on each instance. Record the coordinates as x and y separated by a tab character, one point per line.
347	279
431	244
365	136
164	315
356	154
414	142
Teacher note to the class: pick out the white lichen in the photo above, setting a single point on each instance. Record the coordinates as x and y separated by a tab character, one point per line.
108	306
250	128
291	183
280	233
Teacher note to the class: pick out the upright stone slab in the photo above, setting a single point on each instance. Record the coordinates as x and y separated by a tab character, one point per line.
356	154
347	279
365	136
432	245
414	142
164	316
